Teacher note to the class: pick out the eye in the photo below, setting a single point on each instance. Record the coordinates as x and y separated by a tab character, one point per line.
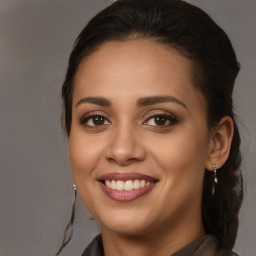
159	120
94	120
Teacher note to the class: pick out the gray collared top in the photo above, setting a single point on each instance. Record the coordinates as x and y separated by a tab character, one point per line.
204	246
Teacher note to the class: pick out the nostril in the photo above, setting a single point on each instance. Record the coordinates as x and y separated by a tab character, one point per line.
122	161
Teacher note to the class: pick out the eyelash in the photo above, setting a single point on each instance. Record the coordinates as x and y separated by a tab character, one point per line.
84	120
169	118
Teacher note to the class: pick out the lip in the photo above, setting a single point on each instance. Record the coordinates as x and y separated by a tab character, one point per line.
124	176
126	196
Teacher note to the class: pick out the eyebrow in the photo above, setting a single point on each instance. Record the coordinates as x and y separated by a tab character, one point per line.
147	101
142	102
94	100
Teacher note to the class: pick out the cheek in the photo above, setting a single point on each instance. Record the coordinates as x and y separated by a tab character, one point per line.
180	150
85	153
182	158
182	163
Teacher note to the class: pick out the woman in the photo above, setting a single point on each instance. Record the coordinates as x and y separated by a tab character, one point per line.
153	142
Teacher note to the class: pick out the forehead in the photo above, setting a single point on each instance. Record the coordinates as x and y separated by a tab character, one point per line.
133	68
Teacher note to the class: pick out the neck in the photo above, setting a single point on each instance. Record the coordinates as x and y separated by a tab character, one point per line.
161	242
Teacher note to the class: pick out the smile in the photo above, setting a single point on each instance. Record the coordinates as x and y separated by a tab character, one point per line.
126	186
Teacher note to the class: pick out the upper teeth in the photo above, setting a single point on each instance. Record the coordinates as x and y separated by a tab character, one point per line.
127	185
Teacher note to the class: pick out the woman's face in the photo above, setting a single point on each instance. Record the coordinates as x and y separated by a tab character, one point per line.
139	140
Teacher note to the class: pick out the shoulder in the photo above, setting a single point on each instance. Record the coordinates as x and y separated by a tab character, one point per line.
226	253
95	248
209	245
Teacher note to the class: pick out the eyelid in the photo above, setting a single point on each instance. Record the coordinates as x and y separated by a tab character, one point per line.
169	116
92	114
172	118
159	113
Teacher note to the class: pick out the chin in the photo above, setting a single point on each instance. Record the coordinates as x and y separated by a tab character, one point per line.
128	223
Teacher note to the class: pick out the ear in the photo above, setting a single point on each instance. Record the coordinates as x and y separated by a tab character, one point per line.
220	143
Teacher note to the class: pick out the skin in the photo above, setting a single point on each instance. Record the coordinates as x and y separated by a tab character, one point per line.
130	140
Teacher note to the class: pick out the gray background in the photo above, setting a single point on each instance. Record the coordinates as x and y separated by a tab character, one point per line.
35	180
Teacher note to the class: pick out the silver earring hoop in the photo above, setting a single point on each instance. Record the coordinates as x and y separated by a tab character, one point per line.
68	235
215	178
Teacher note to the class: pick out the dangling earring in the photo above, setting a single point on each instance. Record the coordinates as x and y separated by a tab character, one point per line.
66	238
215	178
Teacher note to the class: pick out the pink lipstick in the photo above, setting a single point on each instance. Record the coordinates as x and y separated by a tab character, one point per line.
126	186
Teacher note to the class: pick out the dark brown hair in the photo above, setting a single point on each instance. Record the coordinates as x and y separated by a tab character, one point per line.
191	32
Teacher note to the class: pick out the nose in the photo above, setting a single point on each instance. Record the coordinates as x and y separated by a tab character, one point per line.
125	147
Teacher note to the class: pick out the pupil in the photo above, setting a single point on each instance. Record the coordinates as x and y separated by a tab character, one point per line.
98	120
160	120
